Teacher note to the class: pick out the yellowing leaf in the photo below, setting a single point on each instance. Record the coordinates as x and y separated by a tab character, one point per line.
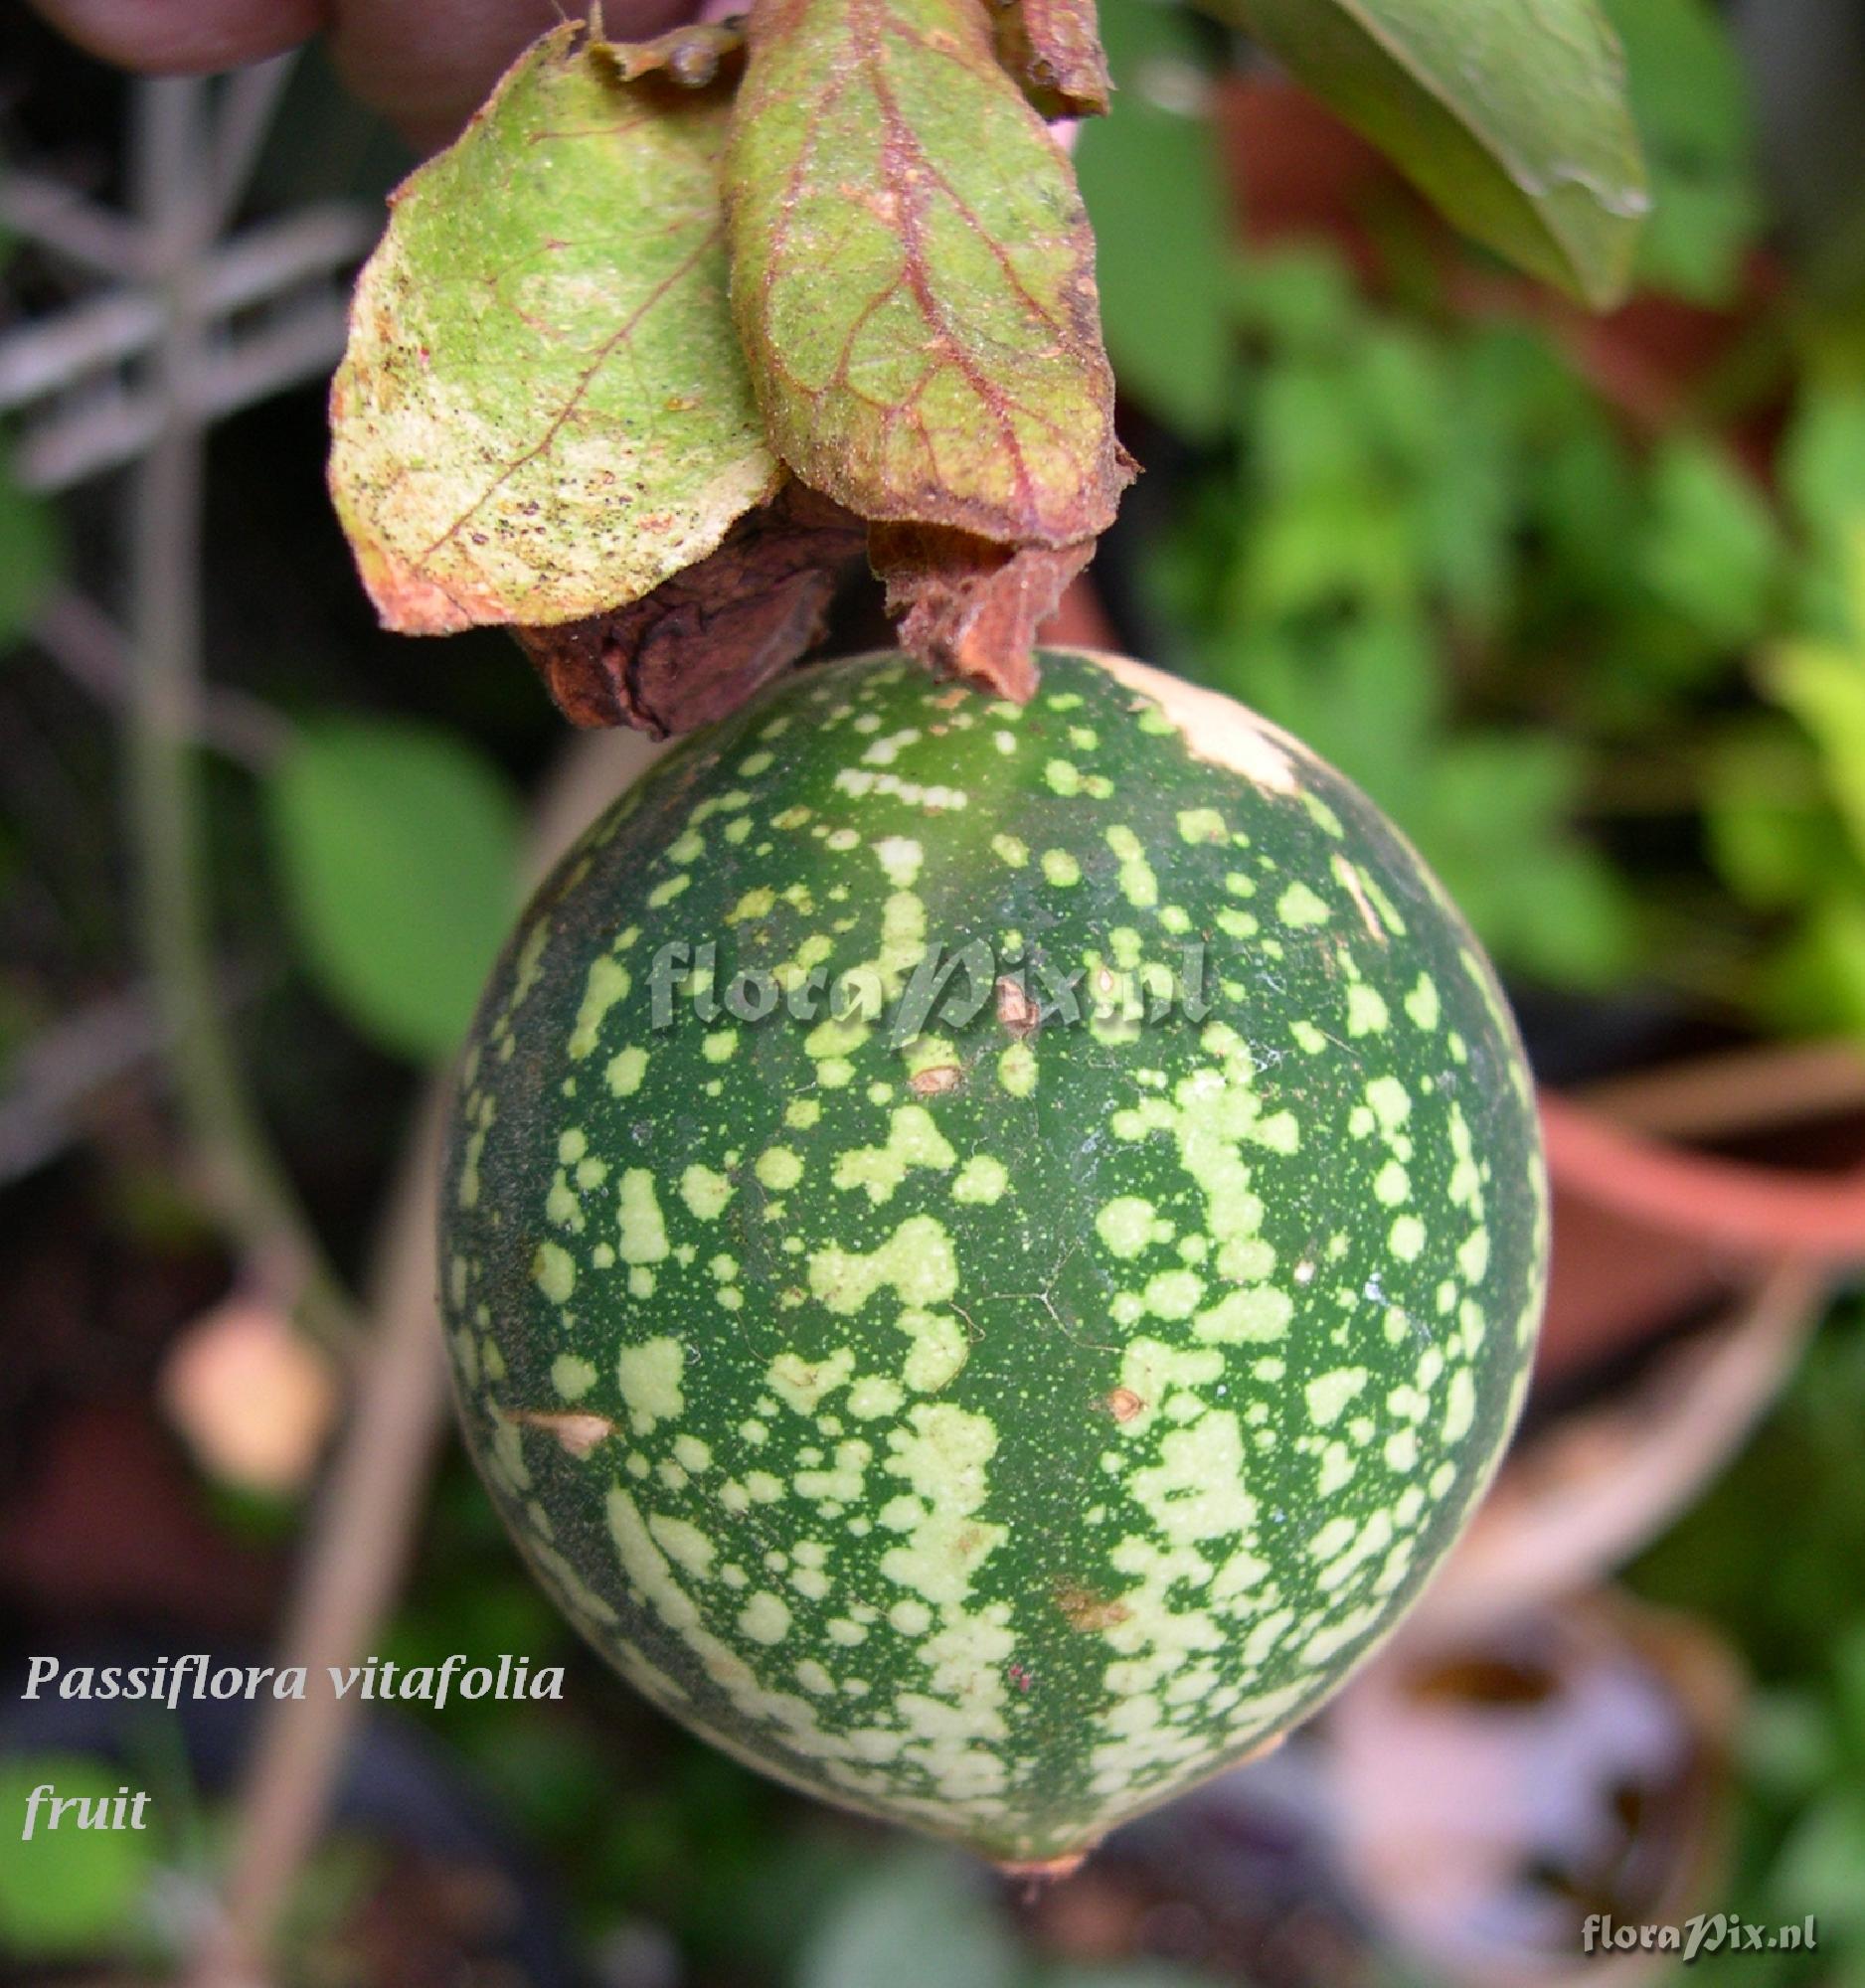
542	413
912	273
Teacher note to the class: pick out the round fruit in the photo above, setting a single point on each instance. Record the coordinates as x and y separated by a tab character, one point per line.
1001	1335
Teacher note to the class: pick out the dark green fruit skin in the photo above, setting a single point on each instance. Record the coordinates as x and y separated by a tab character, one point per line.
1180	1350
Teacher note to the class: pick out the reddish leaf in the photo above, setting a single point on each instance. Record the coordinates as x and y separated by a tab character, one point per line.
704	641
912	273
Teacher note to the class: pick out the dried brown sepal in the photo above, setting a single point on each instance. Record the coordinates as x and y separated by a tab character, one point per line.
692	56
703	642
970	607
1052	49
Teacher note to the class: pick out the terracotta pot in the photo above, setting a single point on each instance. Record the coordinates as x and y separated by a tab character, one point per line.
1648	1230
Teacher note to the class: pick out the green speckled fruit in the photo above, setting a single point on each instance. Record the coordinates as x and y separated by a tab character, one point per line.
1001	1429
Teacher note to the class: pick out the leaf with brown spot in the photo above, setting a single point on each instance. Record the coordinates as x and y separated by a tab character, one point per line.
1052	49
707	639
912	273
542	413
972	608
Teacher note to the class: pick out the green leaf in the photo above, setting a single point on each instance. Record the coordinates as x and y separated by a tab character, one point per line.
1823	466
1690	105
31	554
1824	688
1150	176
1510	114
1816	983
68	1893
398	850
1770	832
542	413
915	1918
1711	553
911	269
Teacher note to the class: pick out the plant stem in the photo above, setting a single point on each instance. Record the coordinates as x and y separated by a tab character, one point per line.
358	1546
246	1182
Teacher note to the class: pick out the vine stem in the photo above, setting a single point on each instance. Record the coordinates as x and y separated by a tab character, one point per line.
180	205
364	1529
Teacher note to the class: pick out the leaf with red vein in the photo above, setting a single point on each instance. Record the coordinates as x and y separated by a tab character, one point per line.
542	413
1052	49
913	274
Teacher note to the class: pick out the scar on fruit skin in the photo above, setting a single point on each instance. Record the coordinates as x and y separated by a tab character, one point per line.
1086	1611
579	1433
1015	1010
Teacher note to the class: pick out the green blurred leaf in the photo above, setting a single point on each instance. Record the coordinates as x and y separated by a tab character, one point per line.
1555	909
30	553
1819	1864
1823	466
1149	173
1824	688
1770	832
1689	100
1710	549
1815	984
69	1892
397	846
1302	298
1510	114
915	1918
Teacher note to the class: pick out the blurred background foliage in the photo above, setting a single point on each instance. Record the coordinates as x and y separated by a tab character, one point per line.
1582	604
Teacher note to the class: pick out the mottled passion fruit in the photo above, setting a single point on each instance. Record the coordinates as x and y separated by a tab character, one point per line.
998	1403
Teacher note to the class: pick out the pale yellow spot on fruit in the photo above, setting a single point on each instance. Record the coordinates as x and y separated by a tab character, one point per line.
683	1541
554	1271
643	1233
802	1384
607	983
1016	1069
650	1377
626	1072
705	1192
1328	1395
900	857
766	1618
981	1180
914	1140
572	1376
779	1168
